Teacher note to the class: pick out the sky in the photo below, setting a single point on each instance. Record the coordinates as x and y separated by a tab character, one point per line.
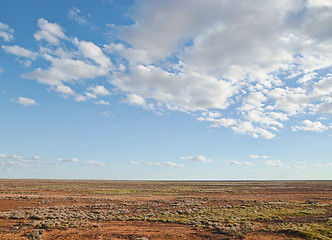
169	90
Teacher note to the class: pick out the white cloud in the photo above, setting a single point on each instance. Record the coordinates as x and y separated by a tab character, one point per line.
12	163
102	102
301	167
274	163
134	99
323	165
219	122
64	70
311	126
214	58
322	88
16	161
98	90
224	41
6	33
154	163
319	3
172	164
16	157
307	77
134	56
244	163
133	163
254	156
166	164
36	158
326	107
73	14
197	159
95	163
26	101
67	160
95	91
19	51
93	52
211	114
175	91
72	66
64	90
51	32
247	127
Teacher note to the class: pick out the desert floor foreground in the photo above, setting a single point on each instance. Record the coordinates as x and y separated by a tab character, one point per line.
78	209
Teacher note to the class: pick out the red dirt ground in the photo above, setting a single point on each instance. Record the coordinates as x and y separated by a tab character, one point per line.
21	194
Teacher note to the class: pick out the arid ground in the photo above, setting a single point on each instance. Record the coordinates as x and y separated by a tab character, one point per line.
77	209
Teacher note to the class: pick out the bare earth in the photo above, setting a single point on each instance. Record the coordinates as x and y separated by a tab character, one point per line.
77	209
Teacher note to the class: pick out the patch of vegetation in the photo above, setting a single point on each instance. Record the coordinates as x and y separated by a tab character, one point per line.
311	231
35	234
189	203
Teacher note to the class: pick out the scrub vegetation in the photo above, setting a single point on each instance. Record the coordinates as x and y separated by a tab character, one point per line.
222	210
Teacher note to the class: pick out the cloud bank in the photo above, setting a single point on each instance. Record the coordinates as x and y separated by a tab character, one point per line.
215	60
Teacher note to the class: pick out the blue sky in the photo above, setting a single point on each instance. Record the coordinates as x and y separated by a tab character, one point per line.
191	89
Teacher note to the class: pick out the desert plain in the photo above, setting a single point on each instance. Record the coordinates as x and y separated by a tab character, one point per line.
146	210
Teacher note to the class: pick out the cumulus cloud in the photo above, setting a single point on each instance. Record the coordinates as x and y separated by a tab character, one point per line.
16	161
311	126
133	163
83	61
244	163
98	91
12	163
51	32
67	159
197	159
232	53
102	102
6	33
26	102
64	70
93	92
135	99
16	157
63	89
165	164
274	163
93	52
95	163
175	91
19	51
215	59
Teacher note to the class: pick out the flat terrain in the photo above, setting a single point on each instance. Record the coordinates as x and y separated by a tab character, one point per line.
77	209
